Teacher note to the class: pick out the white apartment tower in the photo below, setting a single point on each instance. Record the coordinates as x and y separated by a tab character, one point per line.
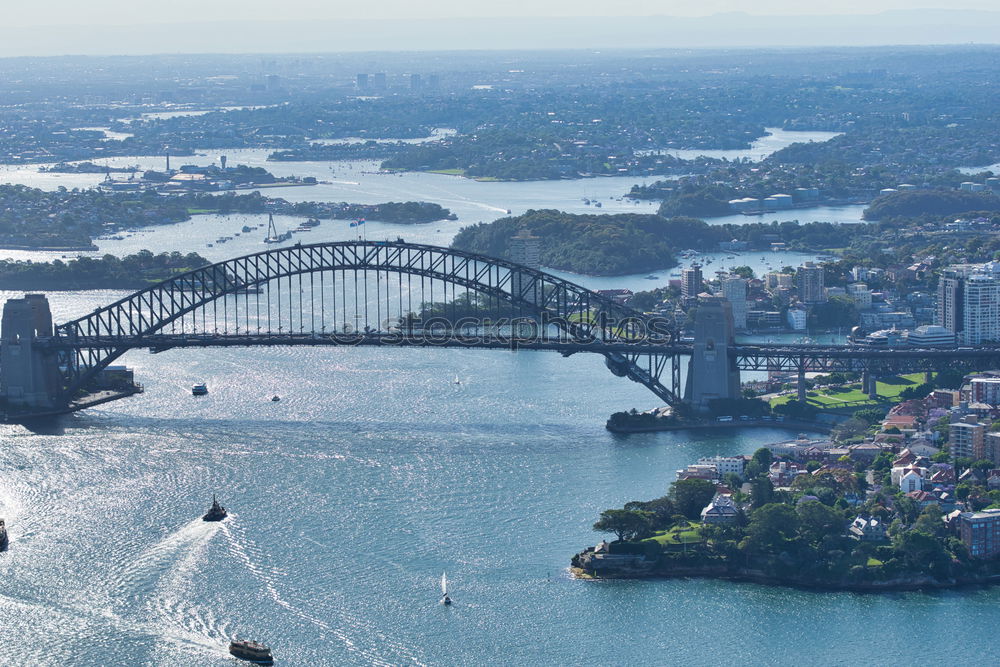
969	303
734	288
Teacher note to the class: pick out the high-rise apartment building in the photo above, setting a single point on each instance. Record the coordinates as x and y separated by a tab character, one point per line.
525	249
809	279
966	440
691	282
969	302
734	288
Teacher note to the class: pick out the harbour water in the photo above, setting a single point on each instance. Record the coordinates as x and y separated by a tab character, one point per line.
373	474
350	496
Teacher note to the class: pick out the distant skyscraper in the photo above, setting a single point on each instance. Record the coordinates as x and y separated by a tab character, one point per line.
734	288
691	281
416	83
362	82
810	283
379	81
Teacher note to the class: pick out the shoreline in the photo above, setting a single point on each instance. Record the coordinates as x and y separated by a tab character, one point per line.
742	575
817	427
90	248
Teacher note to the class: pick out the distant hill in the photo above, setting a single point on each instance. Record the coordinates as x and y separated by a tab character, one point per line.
900	27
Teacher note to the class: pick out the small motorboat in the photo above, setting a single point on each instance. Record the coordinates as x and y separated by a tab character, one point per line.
275	398
199	389
254	652
4	540
456	380
445	600
216	513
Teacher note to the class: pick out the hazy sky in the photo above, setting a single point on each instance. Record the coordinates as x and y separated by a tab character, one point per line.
69	12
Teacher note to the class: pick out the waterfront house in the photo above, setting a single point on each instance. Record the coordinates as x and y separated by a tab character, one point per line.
867	529
699	471
720	511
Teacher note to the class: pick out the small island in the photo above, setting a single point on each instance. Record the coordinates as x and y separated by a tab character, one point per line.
814	515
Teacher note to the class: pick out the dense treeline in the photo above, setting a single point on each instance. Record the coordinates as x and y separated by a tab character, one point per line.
633	243
404	213
931	202
70	219
107	272
592	244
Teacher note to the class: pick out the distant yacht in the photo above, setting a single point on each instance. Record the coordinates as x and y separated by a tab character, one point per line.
275	398
444	589
199	389
456	380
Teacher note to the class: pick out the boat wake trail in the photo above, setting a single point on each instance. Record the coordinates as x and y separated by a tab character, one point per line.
244	549
148	588
140	577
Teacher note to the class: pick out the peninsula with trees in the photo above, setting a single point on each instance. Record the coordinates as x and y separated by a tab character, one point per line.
891	501
69	220
108	272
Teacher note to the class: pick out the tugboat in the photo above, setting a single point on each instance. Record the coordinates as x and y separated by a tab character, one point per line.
216	513
4	540
254	652
199	389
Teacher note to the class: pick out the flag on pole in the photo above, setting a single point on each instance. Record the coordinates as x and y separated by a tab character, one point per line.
358	222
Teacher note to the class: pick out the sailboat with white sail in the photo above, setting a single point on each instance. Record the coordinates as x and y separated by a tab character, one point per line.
444	589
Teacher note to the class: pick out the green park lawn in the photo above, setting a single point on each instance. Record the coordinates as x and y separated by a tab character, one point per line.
687	534
448	172
851	396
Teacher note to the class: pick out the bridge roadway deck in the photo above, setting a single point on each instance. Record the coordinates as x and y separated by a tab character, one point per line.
373	339
749	357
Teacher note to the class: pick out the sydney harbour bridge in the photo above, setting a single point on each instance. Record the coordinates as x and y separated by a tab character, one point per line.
392	293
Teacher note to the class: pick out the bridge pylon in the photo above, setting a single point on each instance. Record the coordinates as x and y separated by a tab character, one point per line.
29	374
712	373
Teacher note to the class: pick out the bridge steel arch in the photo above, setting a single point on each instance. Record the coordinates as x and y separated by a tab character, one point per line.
89	343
